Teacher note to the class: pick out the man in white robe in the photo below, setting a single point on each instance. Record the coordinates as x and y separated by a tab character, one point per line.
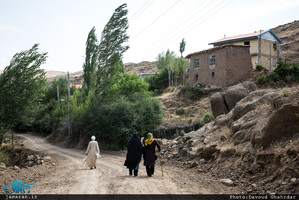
91	152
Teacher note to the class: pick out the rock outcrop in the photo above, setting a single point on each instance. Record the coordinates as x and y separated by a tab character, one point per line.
222	103
218	104
257	137
282	123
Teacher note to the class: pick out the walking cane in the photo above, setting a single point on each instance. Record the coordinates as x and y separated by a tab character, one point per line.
160	163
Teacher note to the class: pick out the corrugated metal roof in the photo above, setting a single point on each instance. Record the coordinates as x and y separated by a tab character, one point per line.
244	37
213	49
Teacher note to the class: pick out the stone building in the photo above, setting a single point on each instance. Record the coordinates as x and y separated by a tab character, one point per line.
220	66
264	47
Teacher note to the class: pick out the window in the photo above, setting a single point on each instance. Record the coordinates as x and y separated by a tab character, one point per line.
212	60
196	78
275	47
213	74
247	43
196	63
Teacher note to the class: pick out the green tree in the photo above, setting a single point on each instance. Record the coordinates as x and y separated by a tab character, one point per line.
111	47
91	54
182	47
129	85
21	85
157	81
165	61
51	90
182	65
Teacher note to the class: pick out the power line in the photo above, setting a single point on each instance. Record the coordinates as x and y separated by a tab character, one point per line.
193	7
192	17
138	10
155	20
195	25
141	11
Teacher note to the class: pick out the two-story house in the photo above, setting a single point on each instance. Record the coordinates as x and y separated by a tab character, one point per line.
264	47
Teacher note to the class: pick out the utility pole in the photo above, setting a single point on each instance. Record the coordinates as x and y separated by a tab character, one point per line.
58	94
68	101
259	48
270	56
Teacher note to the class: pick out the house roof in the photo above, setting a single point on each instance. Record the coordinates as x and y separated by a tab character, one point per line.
245	37
213	49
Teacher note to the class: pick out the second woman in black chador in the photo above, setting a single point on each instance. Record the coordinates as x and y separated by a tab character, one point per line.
134	154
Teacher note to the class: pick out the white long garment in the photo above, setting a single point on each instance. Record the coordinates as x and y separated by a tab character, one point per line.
92	150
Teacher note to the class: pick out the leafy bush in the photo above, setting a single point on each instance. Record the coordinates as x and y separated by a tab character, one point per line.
262	79
294	71
259	68
287	71
207	118
193	93
157	81
113	120
273	76
128	85
149	113
282	70
50	116
182	133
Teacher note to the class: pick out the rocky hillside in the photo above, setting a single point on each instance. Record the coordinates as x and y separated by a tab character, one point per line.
289	34
77	77
142	67
253	143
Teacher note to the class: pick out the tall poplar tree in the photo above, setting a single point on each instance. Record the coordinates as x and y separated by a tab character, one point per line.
182	49
112	46
91	54
21	85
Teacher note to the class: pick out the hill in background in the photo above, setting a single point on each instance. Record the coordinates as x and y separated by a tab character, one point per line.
289	34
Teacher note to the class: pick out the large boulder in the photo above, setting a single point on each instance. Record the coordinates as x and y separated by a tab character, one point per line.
283	123
218	104
245	105
234	94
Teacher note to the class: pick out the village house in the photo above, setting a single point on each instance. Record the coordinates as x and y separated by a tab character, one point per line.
264	47
220	66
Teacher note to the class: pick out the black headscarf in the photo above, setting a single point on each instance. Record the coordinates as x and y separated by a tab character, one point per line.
134	153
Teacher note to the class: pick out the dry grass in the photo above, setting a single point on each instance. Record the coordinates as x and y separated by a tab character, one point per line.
193	111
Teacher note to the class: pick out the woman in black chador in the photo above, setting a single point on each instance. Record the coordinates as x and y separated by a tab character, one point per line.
134	154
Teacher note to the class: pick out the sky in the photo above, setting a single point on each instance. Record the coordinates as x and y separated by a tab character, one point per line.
61	27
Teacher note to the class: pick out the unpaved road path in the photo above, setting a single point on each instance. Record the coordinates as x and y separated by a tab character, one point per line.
111	177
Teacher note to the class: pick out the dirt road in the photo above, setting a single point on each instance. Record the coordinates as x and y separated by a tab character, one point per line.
111	177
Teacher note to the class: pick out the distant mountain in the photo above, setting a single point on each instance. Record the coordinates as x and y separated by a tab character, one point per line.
75	77
289	34
142	67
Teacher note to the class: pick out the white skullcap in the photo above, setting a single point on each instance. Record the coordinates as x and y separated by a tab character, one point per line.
93	137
